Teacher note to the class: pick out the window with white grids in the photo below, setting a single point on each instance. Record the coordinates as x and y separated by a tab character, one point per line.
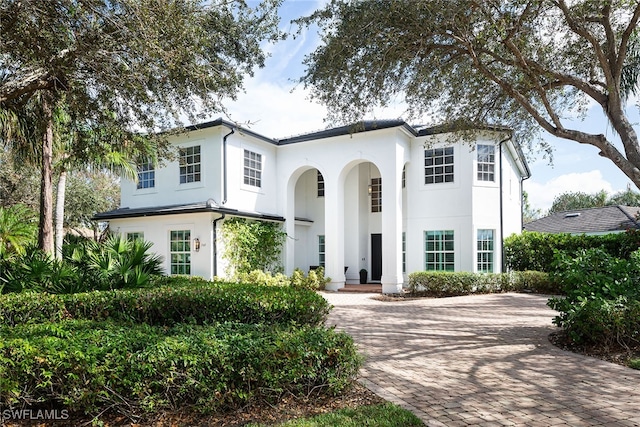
135	235
252	168
376	194
190	164
146	176
439	251
486	162
321	252
485	251
180	252
320	185
438	165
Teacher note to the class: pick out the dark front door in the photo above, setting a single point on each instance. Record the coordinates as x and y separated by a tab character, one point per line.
376	257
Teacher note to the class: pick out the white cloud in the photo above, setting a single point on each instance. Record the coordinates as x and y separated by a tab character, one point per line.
541	195
275	111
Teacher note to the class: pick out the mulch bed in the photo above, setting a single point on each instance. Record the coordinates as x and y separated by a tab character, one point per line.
287	408
614	354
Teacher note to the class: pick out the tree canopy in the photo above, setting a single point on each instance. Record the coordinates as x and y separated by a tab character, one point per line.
117	68
526	64
144	62
579	200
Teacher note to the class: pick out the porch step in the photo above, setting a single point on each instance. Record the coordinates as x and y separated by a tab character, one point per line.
368	288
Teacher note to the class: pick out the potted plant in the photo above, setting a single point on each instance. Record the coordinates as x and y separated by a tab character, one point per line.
363	276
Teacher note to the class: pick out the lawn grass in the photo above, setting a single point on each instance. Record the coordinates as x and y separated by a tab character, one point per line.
382	415
634	363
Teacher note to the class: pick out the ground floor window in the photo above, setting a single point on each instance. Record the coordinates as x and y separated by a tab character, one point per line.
180	252
135	235
321	253
404	252
485	251
439	251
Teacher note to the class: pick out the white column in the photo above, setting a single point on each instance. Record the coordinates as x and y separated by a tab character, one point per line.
334	232
392	226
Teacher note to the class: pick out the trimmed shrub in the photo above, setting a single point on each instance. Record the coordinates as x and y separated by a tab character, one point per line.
448	284
90	366
196	303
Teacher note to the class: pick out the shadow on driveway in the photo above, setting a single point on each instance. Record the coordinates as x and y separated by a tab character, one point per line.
483	360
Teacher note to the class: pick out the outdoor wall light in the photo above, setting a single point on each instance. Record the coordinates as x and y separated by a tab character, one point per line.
196	244
369	189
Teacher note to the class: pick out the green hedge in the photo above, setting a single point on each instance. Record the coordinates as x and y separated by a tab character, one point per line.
198	303
447	284
90	366
535	251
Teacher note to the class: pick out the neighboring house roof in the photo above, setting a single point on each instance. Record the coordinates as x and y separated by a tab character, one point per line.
607	219
182	209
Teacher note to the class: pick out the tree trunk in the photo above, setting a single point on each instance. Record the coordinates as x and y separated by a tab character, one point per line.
62	186
45	227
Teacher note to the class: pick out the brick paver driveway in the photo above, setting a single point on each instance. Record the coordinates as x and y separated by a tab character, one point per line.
483	360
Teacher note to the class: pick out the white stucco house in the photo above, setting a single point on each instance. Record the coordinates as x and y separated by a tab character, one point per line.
381	195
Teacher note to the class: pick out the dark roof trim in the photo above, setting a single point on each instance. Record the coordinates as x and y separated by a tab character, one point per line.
230	125
182	209
363	126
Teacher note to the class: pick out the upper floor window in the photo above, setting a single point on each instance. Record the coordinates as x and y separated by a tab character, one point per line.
190	164
146	176
320	185
438	165
376	194
252	168
486	162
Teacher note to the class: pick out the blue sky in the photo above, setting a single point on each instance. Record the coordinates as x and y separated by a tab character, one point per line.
275	106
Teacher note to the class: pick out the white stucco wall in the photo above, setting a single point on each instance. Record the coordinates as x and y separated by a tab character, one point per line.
343	215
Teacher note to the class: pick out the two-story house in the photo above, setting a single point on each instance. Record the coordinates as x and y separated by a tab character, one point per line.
380	195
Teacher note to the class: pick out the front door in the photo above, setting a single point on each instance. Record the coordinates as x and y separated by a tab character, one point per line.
376	257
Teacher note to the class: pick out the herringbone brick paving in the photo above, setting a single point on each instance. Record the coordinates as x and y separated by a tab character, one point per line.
483	360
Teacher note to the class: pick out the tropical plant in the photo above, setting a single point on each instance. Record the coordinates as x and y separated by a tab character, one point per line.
117	263
17	230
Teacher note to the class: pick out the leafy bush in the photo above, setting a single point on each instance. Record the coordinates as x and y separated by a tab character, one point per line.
447	284
315	280
264	278
602	303
91	366
196	303
536	251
